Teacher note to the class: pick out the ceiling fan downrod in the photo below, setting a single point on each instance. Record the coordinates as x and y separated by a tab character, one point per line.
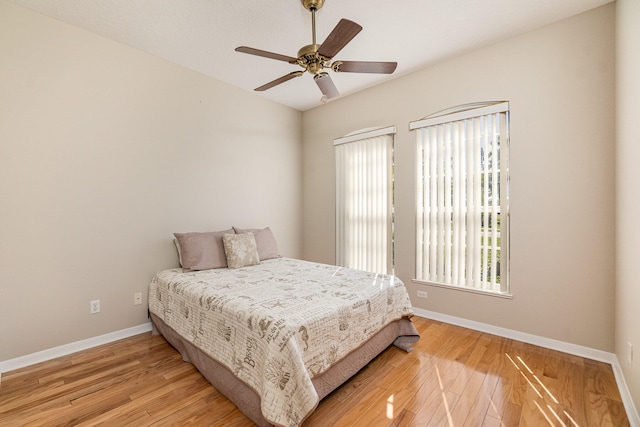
312	6
313	26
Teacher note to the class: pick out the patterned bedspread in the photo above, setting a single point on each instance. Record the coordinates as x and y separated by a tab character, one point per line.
278	324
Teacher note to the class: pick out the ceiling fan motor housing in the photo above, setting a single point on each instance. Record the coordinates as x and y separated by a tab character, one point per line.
309	58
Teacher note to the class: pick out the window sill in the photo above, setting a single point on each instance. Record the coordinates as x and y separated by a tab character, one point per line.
463	289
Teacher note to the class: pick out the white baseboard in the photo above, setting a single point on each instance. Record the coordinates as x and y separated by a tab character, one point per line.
565	347
629	406
63	350
552	344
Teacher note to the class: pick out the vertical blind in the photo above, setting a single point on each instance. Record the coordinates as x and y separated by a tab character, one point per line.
462	197
364	200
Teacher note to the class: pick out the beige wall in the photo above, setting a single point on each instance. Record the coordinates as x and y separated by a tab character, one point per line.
560	83
104	153
628	191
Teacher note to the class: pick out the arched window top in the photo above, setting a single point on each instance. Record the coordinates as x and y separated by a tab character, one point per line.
365	134
460	112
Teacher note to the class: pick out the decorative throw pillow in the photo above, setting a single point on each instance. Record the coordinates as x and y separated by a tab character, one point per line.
201	251
265	240
241	250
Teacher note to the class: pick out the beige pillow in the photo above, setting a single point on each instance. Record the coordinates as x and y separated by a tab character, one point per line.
241	250
265	240
201	251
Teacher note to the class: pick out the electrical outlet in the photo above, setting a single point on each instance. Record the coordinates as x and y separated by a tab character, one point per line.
422	294
629	351
137	298
94	306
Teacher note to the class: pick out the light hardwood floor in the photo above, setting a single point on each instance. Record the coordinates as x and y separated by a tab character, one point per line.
454	377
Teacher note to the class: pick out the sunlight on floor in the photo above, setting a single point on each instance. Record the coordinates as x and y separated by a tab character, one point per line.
548	413
390	407
444	398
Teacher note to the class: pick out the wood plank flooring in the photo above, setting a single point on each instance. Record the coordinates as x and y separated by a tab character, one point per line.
454	377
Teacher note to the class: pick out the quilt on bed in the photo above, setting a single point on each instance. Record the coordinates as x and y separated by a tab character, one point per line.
278	324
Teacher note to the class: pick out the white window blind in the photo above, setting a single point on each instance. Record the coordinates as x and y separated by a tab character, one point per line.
364	200
462	217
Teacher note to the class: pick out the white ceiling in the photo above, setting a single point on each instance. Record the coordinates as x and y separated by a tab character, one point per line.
202	34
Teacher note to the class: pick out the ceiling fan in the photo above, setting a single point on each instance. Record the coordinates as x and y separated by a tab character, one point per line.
314	57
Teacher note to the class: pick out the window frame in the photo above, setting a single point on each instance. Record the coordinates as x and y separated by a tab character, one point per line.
342	254
456	116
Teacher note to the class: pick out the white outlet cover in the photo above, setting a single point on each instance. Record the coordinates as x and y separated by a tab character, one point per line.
94	306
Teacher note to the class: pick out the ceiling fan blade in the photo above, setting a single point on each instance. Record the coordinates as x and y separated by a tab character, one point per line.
279	80
342	34
326	85
265	54
364	67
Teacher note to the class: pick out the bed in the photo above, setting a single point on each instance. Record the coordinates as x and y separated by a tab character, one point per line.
277	336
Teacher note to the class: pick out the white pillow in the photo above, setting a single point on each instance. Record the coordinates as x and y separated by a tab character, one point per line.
241	250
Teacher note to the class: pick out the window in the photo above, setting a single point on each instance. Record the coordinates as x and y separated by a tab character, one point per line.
462	197
364	200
